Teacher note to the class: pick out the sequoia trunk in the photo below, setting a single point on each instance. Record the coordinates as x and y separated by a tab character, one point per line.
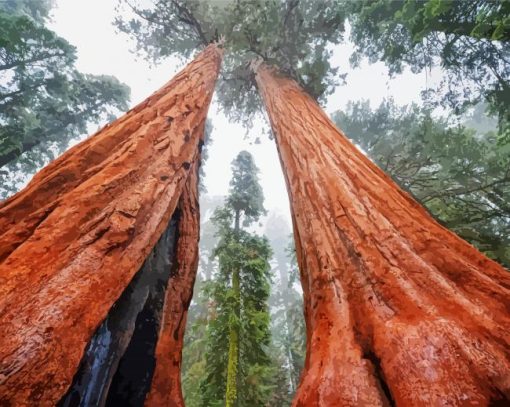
72	240
399	310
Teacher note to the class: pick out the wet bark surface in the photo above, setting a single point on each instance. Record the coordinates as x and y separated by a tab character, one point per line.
73	239
399	310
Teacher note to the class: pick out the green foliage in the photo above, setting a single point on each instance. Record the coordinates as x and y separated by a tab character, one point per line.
44	100
281	395
461	176
238	334
193	361
195	342
38	10
246	194
250	253
470	40
292	34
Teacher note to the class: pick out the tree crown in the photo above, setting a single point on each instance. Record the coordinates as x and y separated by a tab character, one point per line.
292	34
245	199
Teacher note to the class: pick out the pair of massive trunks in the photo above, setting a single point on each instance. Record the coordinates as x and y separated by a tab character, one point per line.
99	255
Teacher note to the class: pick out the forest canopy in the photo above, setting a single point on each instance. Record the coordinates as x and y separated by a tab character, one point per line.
294	35
469	40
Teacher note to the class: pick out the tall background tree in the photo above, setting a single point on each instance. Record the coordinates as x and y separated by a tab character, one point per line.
382	280
287	346
238	369
44	100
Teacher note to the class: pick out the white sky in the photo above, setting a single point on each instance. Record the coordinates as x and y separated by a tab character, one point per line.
88	26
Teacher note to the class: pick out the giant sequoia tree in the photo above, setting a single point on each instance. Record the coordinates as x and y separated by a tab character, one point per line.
92	244
398	308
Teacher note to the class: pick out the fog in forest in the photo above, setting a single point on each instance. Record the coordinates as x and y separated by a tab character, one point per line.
427	105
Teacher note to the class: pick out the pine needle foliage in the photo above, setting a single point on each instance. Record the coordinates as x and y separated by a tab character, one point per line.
239	370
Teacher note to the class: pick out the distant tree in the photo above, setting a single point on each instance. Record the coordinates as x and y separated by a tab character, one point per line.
280	395
286	302
291	34
461	176
238	336
193	354
44	101
470	40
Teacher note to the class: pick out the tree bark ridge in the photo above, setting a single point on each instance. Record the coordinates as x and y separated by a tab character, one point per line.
166	383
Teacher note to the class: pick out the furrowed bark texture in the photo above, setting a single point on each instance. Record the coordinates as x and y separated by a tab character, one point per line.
73	239
399	310
166	383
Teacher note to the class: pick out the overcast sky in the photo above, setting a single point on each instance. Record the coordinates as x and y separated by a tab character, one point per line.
101	50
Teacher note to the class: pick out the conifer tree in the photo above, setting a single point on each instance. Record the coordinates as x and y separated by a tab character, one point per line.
45	102
386	288
238	365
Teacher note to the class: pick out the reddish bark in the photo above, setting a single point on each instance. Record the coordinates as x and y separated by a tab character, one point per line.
399	310
166	382
72	240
